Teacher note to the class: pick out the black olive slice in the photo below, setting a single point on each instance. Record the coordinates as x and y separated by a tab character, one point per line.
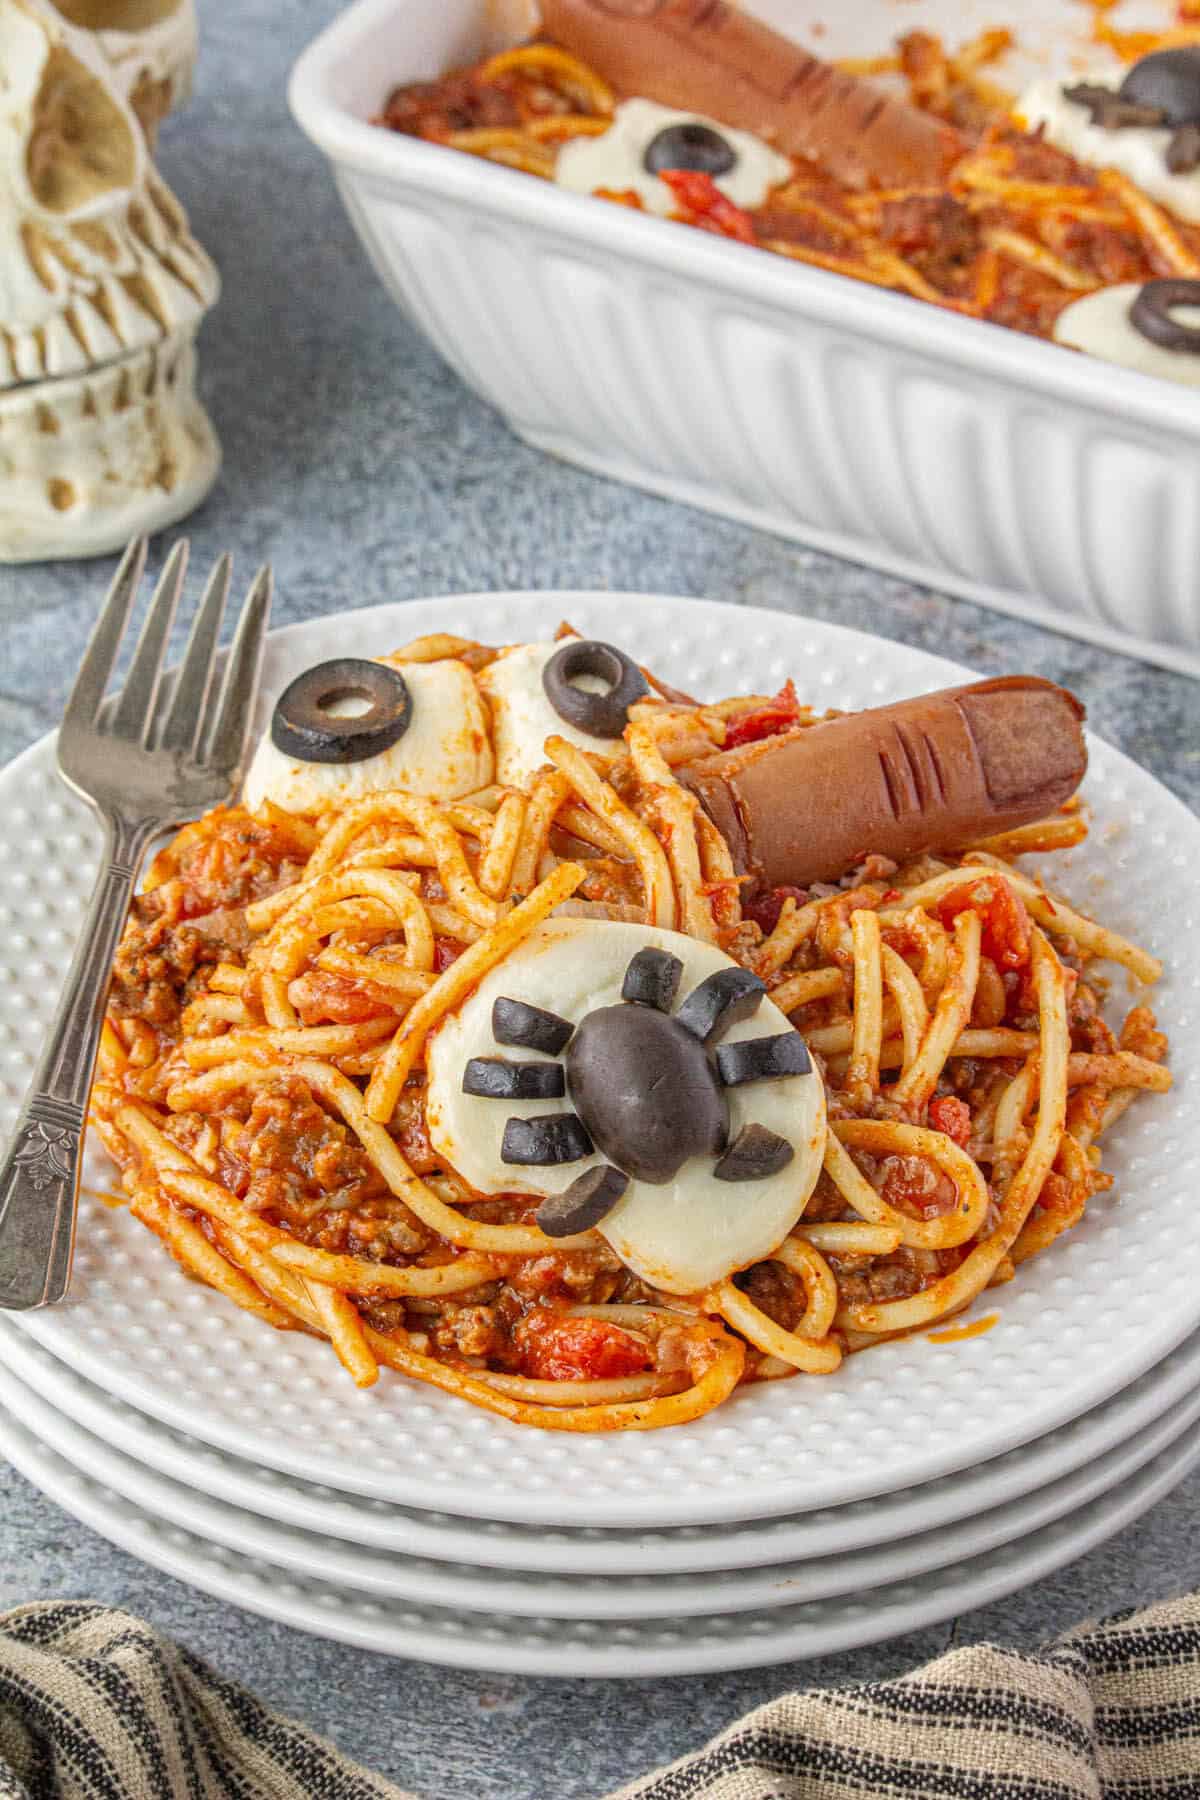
1168	80
304	726
689	145
1109	109
763	1059
1183	151
645	1091
589	1199
549	1138
494	1078
754	1154
529	1028
721	1000
599	715
652	979
1152	313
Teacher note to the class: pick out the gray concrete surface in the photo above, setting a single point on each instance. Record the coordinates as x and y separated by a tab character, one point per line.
362	468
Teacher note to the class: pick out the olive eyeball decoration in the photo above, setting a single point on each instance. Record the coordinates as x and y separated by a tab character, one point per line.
647	1089
1147	126
1169	82
646	141
1152	327
350	727
692	145
588	704
1156	314
601	709
342	711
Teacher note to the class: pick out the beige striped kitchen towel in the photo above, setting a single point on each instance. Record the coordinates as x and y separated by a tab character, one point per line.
95	1705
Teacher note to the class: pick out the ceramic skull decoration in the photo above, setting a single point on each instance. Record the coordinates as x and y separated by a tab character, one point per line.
150	46
102	288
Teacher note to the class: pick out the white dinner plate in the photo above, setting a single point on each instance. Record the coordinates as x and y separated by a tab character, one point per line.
713	1643
1076	1325
386	1575
689	1549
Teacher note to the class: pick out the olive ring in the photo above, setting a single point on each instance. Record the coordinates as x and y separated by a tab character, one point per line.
690	145
1168	80
598	715
304	725
1152	314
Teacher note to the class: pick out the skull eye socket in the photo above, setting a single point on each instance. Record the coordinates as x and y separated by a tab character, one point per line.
117	15
82	145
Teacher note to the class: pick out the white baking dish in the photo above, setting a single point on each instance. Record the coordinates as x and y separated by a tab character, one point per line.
947	450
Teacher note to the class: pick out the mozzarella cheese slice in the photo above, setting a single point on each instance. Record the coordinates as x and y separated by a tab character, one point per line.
522	716
1139	151
445	753
681	1236
1100	324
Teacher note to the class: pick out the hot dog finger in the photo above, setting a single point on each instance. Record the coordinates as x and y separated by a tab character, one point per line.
708	57
927	774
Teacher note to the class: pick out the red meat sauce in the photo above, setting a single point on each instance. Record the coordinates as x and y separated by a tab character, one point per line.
193	915
557	1348
292	1162
460	101
1005	939
301	1169
782	712
701	203
323	998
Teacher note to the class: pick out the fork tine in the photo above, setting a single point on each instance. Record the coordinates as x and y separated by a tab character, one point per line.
105	641
226	746
133	715
181	727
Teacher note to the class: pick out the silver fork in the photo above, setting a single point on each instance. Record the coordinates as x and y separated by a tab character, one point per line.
151	757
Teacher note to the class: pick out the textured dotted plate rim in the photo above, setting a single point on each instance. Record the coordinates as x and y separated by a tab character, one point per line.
689	1550
585	1648
1066	1342
585	1595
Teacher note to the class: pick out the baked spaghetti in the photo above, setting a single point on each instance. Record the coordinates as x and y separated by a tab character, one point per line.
998	223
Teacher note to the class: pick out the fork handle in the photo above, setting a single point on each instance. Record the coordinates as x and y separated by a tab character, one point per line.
39	1179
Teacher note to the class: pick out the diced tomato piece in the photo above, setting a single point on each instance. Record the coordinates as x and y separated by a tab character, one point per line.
1005	920
1055	1196
620	197
952	1116
224	860
233	1172
445	952
702	203
914	1184
765	908
320	996
557	1348
411	1131
781	712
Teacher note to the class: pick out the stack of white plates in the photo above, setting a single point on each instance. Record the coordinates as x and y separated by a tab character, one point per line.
800	1518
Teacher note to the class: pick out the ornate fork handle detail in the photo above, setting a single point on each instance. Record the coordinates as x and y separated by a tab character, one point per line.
40	1174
